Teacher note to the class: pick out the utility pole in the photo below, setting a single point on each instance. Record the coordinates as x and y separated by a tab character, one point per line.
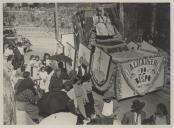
122	17
153	18
56	22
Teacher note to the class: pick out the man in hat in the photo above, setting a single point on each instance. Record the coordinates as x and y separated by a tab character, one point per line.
136	115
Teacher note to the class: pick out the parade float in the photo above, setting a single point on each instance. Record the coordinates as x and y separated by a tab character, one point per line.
125	70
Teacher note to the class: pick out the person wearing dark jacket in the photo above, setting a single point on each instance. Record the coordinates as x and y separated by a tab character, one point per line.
27	97
55	102
18	60
56	81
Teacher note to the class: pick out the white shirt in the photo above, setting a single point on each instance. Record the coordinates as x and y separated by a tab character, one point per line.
43	76
161	120
83	70
137	119
8	52
37	64
108	108
48	62
47	83
71	95
21	50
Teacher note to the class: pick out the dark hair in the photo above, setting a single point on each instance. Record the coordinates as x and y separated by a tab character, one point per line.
42	68
9	58
32	56
45	54
11	46
26	74
75	80
60	65
19	44
23	68
37	57
48	69
162	107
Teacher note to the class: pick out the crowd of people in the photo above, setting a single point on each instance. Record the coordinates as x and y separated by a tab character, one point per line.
46	88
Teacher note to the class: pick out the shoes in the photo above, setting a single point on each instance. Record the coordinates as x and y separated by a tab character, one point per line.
93	116
86	121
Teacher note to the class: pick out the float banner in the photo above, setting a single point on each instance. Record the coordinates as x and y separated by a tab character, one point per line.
140	74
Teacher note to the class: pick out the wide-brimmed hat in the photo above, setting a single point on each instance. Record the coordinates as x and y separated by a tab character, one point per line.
109	95
136	105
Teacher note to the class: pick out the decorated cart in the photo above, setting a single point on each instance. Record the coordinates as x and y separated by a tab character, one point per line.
117	68
128	73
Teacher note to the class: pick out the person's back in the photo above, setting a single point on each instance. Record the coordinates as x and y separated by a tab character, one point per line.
56	83
55	102
58	102
18	58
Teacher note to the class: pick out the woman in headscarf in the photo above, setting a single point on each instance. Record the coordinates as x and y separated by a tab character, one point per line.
27	97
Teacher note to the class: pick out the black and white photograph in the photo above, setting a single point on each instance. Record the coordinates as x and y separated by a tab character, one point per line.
87	63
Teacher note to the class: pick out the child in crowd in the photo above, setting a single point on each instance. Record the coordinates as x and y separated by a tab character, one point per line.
31	65
35	68
37	63
46	61
50	73
43	77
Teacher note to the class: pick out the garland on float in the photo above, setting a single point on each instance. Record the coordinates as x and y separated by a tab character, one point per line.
111	82
118	82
